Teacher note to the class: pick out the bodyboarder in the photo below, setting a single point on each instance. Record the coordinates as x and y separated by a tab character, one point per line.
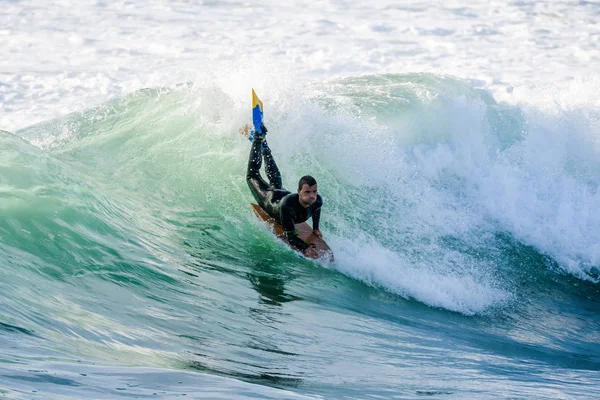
286	207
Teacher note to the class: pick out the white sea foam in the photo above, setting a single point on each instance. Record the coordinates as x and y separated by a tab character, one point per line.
429	280
546	188
61	56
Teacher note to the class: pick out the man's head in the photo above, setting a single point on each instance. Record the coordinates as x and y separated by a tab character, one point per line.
307	190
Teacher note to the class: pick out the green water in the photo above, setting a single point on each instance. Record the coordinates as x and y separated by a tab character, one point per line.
128	243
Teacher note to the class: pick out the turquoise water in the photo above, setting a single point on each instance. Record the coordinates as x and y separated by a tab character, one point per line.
464	231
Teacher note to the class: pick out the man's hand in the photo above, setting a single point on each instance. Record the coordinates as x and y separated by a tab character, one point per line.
245	131
318	233
311	252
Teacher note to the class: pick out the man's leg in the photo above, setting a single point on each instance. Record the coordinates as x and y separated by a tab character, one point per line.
271	168
256	183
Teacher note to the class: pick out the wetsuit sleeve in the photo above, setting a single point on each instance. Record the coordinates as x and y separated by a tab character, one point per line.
295	241
316	214
286	217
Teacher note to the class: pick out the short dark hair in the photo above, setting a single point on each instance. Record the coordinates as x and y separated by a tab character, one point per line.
306	180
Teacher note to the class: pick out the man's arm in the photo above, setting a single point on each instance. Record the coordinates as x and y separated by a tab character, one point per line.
292	237
286	217
295	241
316	214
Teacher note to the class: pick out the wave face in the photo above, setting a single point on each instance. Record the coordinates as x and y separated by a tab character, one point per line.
466	233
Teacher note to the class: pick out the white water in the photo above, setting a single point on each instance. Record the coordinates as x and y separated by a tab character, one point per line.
62	56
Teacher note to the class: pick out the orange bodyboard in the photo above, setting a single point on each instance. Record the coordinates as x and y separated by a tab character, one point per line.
303	230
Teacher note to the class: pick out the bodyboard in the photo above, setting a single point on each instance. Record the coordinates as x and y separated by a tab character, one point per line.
303	230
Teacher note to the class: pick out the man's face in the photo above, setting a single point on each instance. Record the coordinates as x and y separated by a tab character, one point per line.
308	195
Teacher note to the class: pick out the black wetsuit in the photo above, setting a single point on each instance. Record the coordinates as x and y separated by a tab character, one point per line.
279	203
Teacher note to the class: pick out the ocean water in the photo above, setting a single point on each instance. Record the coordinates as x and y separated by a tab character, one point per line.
457	149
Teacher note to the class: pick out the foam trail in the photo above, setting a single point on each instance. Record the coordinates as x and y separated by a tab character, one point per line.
375	265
